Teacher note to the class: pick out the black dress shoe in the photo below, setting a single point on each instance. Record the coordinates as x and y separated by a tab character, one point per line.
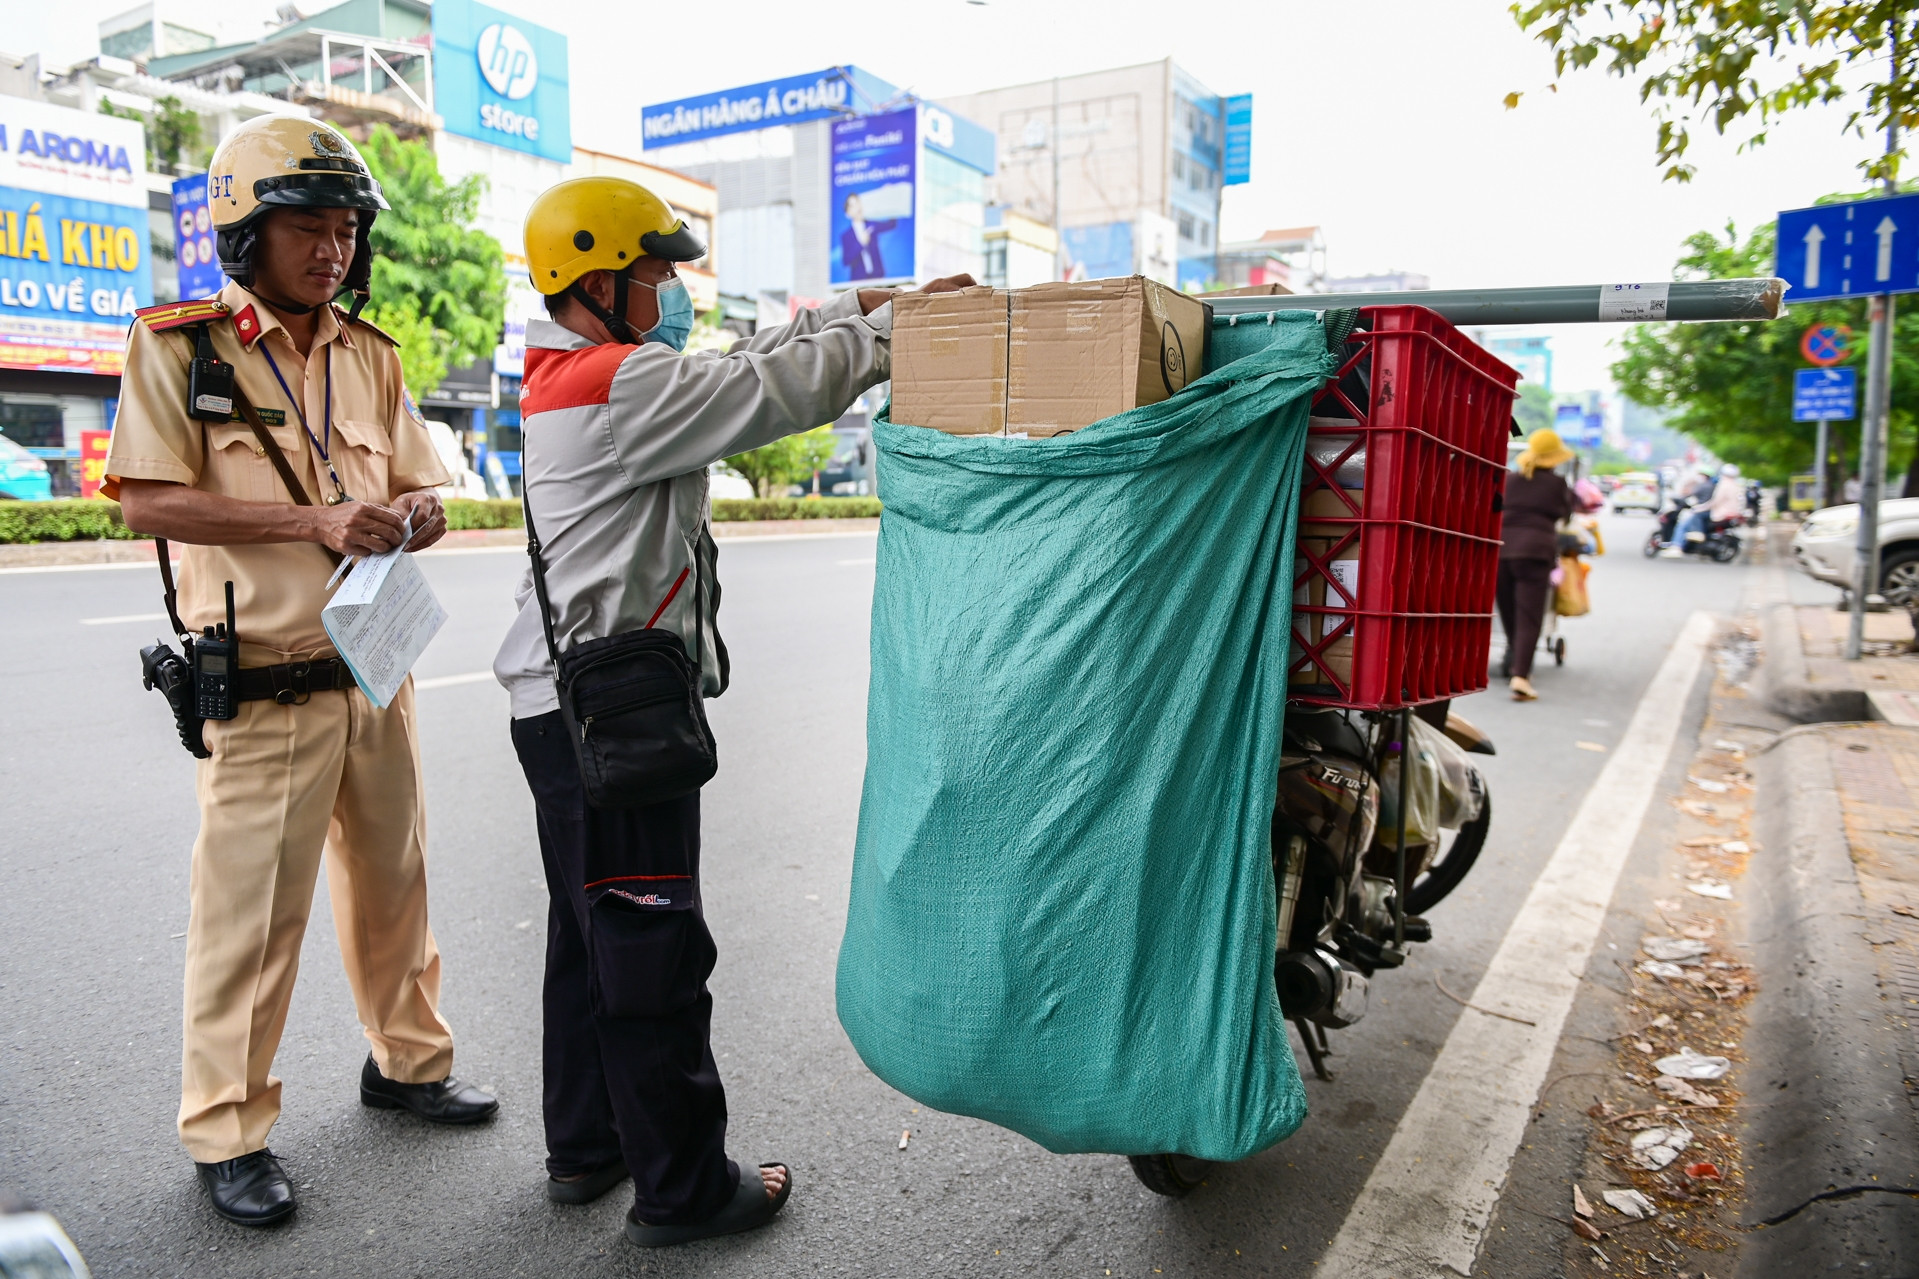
252	1190
447	1102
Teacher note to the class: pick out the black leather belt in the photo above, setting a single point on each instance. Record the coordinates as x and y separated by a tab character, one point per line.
292	682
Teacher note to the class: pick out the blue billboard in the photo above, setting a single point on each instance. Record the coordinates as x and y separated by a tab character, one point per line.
500	79
817	95
195	247
835	93
1238	166
72	272
875	173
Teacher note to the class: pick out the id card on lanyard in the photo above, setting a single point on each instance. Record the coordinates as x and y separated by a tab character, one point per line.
324	449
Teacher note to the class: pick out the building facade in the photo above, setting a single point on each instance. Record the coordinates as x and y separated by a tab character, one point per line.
1119	160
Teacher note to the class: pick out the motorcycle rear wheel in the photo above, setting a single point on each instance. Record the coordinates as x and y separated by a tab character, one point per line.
1453	862
1726	551
1174	1176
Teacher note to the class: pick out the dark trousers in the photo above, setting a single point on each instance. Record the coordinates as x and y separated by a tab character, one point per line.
1524	588
629	1063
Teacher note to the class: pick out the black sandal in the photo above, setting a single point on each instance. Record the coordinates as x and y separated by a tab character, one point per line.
749	1210
585	1189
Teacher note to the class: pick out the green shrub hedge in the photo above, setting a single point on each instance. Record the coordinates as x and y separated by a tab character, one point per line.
95	519
492	512
795	508
73	520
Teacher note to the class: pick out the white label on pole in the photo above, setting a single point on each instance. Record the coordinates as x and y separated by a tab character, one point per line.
1639	302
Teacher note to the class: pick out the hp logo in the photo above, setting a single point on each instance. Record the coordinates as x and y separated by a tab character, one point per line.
507	62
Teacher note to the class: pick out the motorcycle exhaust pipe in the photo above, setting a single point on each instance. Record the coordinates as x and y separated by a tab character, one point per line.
1317	986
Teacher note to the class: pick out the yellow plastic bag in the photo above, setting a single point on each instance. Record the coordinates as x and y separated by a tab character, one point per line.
1569	597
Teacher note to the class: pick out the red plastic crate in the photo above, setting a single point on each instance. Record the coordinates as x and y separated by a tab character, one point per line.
1398	542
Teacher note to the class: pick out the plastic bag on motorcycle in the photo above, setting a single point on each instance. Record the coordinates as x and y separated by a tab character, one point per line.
1441	796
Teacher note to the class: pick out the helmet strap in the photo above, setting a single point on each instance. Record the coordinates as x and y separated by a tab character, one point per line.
615	319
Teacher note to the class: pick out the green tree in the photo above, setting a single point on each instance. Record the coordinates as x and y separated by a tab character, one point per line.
173	132
1730	385
1533	410
439	286
793	460
1743	64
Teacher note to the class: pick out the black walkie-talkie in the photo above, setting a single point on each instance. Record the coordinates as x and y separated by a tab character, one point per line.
209	381
216	660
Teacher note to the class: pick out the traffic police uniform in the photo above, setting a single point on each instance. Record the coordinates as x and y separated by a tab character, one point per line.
318	766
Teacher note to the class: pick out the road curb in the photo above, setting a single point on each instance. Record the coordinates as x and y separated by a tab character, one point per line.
1825	1095
1788	690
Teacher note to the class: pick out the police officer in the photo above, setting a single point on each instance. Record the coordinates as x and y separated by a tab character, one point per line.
342	464
618	431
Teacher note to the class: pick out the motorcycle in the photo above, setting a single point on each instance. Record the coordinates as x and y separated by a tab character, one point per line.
1721	544
1359	858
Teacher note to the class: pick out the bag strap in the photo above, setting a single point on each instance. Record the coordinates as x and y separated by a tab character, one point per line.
166	579
272	448
546	605
539	571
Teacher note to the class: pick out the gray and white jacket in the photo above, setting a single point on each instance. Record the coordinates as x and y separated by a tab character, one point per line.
615	445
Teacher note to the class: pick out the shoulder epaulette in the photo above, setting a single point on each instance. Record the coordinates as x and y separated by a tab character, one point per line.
365	323
178	315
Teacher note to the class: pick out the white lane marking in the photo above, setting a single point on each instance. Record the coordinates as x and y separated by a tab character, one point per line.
1428	1200
448	681
81	568
124	617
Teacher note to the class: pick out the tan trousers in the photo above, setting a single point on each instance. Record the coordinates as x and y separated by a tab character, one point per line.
283	782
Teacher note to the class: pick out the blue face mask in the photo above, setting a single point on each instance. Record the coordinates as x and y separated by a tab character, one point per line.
676	315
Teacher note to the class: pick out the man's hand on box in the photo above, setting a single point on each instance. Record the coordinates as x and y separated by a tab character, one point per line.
427	514
872	300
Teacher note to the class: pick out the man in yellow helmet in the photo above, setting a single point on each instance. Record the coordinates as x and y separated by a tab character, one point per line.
618	429
270	431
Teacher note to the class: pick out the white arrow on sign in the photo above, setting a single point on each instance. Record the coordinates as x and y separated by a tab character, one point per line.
1814	238
1884	231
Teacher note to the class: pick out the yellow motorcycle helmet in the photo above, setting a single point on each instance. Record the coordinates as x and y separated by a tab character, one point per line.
288	161
601	224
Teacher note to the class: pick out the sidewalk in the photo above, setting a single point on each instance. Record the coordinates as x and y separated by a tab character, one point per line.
1836	1028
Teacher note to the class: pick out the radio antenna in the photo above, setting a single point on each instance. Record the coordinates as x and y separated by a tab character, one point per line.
231	632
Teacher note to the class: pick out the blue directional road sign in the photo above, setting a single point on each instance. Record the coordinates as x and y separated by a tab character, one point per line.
1831	394
1850	250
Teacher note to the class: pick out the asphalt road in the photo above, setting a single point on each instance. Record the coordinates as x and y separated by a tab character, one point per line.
99	818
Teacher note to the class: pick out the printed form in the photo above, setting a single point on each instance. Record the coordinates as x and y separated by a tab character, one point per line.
381	619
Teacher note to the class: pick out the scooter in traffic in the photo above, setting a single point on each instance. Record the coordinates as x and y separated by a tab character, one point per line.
1356	868
1721	543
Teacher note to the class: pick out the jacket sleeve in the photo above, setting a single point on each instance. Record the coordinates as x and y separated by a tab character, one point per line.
670	414
808	320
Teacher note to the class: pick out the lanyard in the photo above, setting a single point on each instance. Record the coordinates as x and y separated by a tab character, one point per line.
339	489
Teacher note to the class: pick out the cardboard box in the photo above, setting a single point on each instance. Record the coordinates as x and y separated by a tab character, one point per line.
1315	592
1045	360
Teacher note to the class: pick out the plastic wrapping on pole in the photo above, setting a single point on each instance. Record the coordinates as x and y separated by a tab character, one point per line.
1872	471
1755	299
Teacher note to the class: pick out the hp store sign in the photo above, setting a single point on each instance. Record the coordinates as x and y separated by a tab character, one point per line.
500	79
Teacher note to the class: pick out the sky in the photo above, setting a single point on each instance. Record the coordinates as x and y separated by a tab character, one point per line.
1381	121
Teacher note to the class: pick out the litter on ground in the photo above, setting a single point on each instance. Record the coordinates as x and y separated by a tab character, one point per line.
1687	1064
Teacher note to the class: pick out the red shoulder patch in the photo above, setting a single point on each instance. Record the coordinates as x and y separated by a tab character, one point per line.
570	379
178	315
247	324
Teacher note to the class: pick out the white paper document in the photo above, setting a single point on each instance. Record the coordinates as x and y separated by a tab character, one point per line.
381	619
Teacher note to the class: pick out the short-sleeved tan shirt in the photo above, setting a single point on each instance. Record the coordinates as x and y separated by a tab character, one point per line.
379	448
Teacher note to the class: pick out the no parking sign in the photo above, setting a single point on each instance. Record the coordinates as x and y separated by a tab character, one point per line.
1826	344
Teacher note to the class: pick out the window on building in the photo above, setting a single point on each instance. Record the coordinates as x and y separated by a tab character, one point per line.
1179	167
1186	228
1206	235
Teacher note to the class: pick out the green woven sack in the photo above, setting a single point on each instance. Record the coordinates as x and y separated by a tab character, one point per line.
1062	913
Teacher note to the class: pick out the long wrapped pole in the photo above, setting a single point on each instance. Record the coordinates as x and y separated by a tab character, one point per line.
1757	299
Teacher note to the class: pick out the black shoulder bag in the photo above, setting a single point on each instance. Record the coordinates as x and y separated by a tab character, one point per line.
631	702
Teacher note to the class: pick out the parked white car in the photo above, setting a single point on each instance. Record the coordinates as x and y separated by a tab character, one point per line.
1637	491
1823	548
722	483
